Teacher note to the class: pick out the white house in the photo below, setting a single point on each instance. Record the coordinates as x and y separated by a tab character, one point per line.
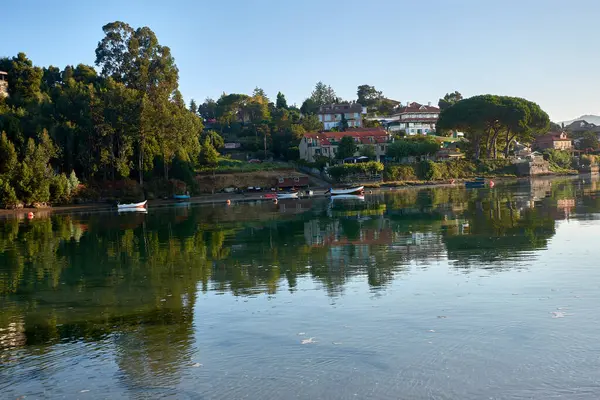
415	119
331	115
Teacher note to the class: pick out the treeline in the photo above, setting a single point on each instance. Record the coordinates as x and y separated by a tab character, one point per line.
129	121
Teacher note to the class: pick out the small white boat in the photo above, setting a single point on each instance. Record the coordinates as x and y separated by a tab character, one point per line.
133	210
348	197
283	196
359	190
132	206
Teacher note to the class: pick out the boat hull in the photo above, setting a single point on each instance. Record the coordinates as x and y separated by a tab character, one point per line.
132	206
181	196
350	191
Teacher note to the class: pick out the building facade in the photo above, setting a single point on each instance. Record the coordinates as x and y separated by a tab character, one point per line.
553	140
332	115
3	84
415	119
325	144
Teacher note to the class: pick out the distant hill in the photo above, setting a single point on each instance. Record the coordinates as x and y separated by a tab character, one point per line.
592	119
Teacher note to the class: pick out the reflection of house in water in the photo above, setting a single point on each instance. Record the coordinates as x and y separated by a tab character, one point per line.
565	205
12	335
367	240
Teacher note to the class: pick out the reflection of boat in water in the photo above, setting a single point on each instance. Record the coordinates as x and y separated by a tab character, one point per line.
475	183
133	210
348	197
133	206
357	190
284	196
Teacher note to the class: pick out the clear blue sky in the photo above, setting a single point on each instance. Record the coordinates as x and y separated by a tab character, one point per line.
543	50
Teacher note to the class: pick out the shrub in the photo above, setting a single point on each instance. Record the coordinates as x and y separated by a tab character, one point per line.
400	173
60	189
558	158
8	197
339	172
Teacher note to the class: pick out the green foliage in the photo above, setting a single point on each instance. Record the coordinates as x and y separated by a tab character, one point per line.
8	196
340	172
346	148
368	150
491	122
281	101
449	100
368	96
588	140
400	173
311	123
413	147
59	189
454	169
558	158
208	155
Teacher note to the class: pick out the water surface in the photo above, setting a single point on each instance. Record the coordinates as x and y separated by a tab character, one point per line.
439	293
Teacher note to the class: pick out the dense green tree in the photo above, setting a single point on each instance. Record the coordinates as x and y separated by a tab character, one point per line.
489	121
311	123
193	107
449	100
368	96
208	109
208	155
281	101
368	151
588	140
346	148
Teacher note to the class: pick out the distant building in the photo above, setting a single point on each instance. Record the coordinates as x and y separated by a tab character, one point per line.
581	126
553	140
415	119
325	144
3	84
332	115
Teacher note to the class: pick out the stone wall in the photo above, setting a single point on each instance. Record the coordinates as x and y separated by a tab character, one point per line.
532	168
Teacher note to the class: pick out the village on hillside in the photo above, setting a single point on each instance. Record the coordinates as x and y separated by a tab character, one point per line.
109	131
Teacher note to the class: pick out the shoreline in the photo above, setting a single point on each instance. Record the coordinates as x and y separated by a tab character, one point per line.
253	197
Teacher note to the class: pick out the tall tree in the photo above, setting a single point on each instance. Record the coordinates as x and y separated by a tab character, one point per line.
368	96
193	107
346	148
449	99
323	94
281	101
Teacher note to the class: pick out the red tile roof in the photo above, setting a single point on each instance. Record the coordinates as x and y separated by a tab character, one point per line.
363	135
417	108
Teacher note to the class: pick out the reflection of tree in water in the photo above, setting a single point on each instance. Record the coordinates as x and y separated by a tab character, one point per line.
497	230
136	276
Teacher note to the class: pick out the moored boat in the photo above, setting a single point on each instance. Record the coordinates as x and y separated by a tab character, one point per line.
358	190
132	206
475	183
181	196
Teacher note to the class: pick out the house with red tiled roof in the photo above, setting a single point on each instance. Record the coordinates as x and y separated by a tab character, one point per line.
415	119
331	115
553	140
325	144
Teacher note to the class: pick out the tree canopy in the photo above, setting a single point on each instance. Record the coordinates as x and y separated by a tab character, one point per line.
492	122
346	148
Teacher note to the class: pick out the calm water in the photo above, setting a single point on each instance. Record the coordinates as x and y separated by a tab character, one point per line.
413	294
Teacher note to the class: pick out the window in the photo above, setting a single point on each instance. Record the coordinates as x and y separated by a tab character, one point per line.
382	147
328	117
318	151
